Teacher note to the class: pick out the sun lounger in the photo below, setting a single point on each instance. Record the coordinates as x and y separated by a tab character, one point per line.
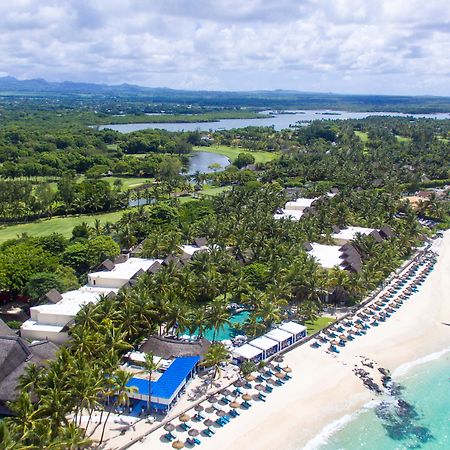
185	426
262	397
246	404
225	400
234	413
269	388
287	377
169	436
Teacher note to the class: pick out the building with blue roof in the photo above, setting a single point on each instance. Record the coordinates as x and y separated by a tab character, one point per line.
167	389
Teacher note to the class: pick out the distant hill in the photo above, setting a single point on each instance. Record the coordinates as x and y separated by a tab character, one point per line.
277	99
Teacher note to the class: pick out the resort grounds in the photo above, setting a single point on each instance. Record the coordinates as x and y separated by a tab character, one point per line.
323	387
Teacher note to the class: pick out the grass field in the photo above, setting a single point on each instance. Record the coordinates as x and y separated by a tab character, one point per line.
61	225
129	183
363	136
403	138
233	152
318	324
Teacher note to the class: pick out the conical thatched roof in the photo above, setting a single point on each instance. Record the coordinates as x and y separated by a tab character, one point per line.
171	348
5	330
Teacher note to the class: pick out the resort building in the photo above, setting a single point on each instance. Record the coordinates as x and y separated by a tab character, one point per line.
329	256
166	389
198	245
248	352
299	331
268	346
51	321
346	235
15	355
284	338
295	209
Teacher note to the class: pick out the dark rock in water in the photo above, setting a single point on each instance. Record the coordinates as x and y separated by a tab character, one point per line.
402	404
384	372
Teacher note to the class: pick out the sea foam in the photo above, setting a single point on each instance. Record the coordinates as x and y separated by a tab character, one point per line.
329	430
405	368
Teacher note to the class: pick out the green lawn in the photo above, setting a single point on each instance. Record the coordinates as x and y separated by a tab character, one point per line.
233	152
61	225
129	183
403	138
363	136
214	190
318	324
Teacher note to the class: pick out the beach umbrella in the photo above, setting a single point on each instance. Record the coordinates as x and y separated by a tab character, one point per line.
185	418
331	343
193	432
343	337
209	410
213	399
208	422
221	413
169	427
199	408
279	358
238	383
279	375
287	369
226	392
259	387
250	377
178	444
246	397
235	404
261	369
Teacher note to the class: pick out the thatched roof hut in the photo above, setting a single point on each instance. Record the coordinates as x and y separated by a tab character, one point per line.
15	355
171	348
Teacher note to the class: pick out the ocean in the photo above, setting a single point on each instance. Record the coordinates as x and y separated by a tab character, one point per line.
421	420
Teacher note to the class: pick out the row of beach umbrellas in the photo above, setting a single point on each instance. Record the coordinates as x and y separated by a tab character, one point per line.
208	422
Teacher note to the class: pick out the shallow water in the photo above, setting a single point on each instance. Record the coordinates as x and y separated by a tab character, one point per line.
422	423
279	121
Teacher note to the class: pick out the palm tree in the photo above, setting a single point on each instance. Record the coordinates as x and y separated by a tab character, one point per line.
218	315
216	355
150	366
119	388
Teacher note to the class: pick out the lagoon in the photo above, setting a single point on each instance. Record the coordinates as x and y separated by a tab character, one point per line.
278	121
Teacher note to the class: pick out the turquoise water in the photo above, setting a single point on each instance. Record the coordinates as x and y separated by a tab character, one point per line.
228	332
423	425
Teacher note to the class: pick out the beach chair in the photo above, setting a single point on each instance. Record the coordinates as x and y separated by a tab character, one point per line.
269	388
279	382
185	426
234	413
197	441
220	422
262	397
288	377
237	391
246	404
248	385
207	432
225	400
169	436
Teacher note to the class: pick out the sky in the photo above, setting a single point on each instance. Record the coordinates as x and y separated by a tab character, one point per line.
344	46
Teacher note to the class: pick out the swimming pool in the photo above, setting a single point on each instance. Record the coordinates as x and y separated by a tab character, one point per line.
229	331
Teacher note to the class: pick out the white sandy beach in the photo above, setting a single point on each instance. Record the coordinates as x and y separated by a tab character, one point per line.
323	387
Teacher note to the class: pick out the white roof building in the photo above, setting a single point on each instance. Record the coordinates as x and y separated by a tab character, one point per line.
300	204
279	335
289	214
263	343
327	256
248	352
292	327
121	274
189	250
349	233
48	321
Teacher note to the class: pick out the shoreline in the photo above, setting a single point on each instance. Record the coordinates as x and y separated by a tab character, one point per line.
329	430
324	388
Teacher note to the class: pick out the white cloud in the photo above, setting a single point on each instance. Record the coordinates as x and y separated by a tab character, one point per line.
375	46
